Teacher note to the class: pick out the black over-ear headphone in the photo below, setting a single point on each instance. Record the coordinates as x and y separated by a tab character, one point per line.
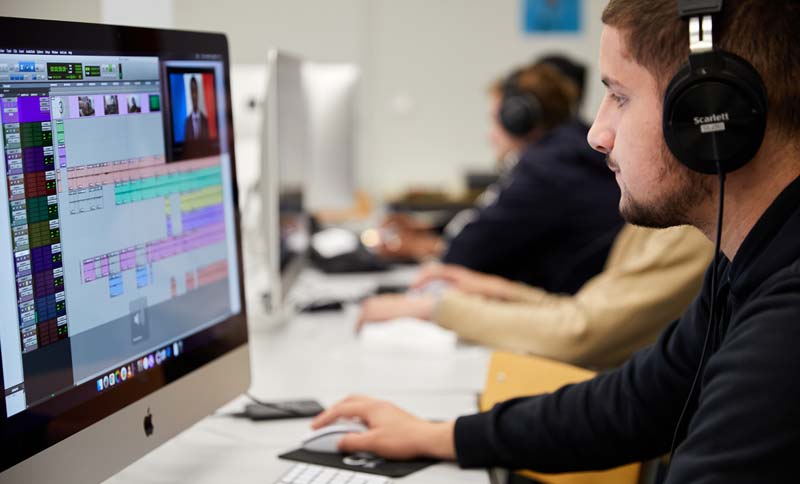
715	115
715	108
520	110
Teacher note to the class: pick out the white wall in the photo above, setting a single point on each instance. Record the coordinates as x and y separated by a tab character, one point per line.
426	65
322	30
441	56
142	13
85	11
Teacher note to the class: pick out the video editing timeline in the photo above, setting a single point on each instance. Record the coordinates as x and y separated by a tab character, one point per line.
112	235
196	221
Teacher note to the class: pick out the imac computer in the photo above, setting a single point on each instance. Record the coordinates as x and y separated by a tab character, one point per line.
329	95
285	152
121	292
308	151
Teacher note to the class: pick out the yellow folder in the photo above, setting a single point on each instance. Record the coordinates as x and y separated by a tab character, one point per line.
512	375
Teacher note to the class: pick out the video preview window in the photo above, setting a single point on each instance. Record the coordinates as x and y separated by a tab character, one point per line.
195	133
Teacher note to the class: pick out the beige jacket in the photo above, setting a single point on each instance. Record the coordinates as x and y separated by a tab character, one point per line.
649	279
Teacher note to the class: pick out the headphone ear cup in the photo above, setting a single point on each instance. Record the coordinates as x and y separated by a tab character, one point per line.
519	113
715	108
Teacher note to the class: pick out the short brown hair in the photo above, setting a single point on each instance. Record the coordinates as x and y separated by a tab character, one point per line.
557	94
763	32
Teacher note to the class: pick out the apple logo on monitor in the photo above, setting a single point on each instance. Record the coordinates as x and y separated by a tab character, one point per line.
148	423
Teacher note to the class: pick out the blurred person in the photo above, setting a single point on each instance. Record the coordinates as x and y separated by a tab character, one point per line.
649	279
551	218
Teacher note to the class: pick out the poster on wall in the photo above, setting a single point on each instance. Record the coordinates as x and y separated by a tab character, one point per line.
558	16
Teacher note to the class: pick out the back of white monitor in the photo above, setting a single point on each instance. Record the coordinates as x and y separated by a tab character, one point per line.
331	90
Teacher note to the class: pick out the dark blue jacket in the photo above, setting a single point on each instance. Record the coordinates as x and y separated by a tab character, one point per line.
553	225
743	422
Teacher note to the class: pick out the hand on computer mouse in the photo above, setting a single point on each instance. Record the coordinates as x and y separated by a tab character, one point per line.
326	439
393	433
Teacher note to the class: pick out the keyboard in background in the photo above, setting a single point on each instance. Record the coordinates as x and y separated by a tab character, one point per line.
312	474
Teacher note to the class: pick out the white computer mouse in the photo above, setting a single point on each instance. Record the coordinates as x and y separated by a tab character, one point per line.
326	439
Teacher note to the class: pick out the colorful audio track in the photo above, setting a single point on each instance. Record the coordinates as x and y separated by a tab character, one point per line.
85	183
199	221
32	185
140	258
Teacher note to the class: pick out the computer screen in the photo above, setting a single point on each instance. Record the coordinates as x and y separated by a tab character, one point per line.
332	92
308	152
286	150
120	267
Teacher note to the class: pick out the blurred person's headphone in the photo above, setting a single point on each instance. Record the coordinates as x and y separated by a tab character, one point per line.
568	68
520	110
715	108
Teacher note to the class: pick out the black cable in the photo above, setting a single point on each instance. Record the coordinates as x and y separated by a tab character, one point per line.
711	316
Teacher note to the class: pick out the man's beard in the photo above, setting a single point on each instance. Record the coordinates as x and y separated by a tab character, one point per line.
677	205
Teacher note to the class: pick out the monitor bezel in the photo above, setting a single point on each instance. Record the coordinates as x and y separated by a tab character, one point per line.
54	421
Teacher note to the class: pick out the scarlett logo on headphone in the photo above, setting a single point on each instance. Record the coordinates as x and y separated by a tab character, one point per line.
712	123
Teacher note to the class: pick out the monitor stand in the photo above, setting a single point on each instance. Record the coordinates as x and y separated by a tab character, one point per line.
275	315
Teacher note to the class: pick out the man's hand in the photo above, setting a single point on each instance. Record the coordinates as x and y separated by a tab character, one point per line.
464	280
402	221
410	244
393	433
391	306
404	237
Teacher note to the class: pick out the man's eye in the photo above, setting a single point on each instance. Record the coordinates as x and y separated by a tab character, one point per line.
619	100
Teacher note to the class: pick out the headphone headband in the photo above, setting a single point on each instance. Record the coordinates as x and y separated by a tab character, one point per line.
694	8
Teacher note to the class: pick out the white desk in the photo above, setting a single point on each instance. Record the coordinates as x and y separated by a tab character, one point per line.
315	356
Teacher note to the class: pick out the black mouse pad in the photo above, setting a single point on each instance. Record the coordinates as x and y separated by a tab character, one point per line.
367	463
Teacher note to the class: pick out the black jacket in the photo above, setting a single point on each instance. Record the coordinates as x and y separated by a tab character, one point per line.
554	223
188	128
744	422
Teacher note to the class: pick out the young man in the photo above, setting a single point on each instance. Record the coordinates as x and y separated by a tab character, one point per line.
742	423
518	233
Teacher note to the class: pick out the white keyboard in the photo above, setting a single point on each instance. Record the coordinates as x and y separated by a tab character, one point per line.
312	474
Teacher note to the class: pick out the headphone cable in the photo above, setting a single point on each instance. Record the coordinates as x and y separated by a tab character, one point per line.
711	317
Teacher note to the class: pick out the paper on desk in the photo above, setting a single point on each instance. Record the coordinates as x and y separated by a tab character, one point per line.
334	242
407	335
